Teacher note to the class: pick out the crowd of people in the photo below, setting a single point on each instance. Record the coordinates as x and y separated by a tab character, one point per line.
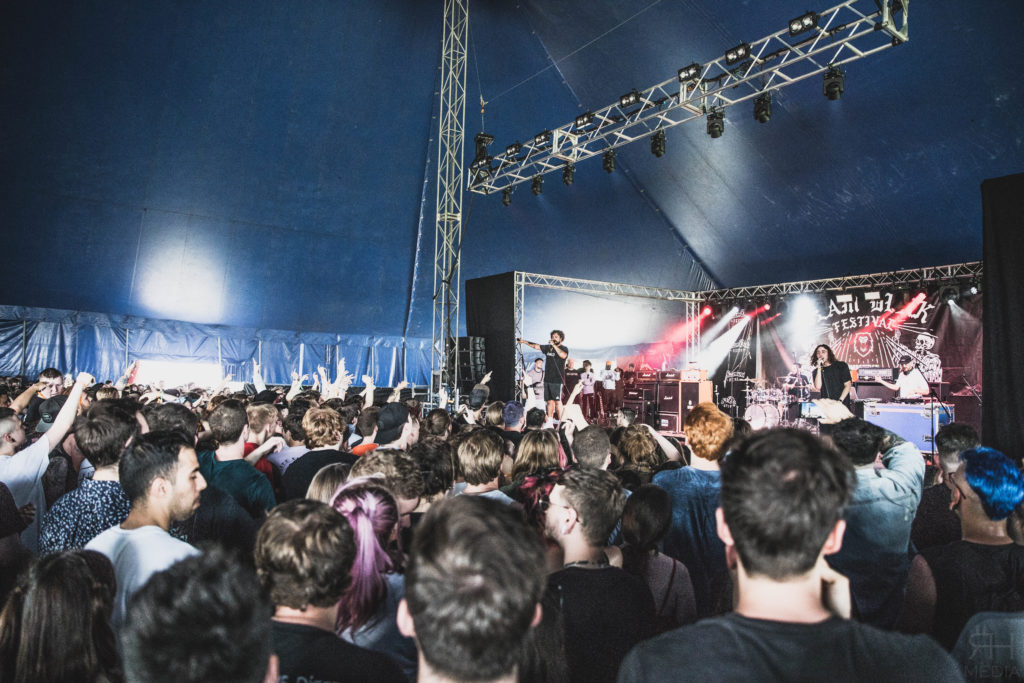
308	534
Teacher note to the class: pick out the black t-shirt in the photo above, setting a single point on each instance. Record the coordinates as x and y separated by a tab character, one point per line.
972	578
834	377
605	612
220	518
297	478
515	437
307	653
935	524
735	648
554	365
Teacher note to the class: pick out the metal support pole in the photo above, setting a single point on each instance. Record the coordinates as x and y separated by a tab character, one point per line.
448	223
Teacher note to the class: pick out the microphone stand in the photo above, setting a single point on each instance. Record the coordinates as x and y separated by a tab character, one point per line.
970	387
935	399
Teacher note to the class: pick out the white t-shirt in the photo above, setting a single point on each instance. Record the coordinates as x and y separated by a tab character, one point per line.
911	384
137	554
23	474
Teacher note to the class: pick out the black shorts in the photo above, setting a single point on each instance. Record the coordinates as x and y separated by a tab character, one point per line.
552	392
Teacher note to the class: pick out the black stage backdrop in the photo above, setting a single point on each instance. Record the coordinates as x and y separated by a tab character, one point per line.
490	303
1002	201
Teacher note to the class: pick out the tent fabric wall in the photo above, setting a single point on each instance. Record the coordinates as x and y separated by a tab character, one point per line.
103	344
1003	414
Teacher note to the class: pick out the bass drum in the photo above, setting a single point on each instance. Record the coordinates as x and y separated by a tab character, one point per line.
762	416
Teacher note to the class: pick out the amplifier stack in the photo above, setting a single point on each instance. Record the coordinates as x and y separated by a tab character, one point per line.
678	393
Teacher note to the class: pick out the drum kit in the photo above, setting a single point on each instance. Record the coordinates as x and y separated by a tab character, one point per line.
769	407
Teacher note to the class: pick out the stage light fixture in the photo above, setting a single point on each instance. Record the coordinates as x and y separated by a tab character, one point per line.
716	123
584	119
608	161
690	73
481	141
513	149
973	289
949	294
737	54
658	143
629	99
568	173
763	108
706	311
803	23
834	83
506	196
542	138
537	186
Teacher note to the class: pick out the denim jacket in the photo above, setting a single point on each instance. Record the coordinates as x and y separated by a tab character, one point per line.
875	551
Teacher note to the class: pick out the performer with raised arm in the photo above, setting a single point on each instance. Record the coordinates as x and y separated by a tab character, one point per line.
831	375
910	383
554	370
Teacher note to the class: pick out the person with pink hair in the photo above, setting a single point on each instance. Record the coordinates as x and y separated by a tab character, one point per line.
366	612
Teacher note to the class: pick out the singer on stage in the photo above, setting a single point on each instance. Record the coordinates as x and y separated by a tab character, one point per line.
910	383
831	375
554	370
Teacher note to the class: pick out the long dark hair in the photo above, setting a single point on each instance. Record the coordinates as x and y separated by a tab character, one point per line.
56	624
645	520
831	355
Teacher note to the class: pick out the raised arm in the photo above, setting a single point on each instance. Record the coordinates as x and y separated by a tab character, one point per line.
66	417
296	387
257	378
396	393
531	344
21	402
666	446
368	391
122	381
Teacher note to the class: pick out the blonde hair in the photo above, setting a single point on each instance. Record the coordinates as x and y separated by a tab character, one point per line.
261	415
638	449
327	481
493	414
322	427
537	451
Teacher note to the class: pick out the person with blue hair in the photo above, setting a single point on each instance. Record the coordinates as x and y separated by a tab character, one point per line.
984	570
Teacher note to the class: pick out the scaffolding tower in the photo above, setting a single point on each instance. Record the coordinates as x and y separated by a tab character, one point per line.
444	366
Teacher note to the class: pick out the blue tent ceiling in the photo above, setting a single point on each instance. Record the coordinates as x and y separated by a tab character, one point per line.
272	164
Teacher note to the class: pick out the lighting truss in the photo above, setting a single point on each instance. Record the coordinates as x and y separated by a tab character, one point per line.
965	272
448	223
851	30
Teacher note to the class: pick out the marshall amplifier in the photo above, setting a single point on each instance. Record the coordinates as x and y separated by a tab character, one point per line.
669	423
693	375
636	394
676	400
669	376
648	376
